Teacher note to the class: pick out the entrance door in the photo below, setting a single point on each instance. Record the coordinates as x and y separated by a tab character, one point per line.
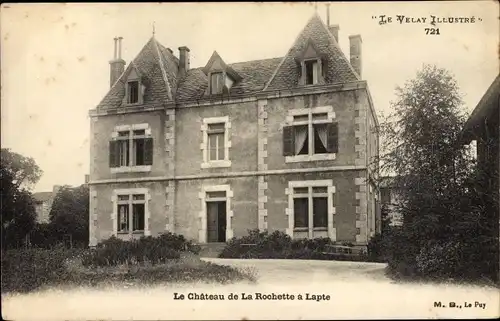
216	221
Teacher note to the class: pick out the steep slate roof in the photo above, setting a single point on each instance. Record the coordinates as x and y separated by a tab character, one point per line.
338	69
159	70
150	62
254	73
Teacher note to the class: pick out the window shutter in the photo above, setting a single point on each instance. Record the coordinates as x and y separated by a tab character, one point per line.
288	141
113	153
148	151
333	138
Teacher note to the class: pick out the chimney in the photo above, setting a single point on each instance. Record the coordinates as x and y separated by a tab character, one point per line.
355	53
117	65
87	178
334	30
183	60
328	15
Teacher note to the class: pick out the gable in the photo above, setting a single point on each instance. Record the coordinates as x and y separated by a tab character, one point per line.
314	38
133	74
154	69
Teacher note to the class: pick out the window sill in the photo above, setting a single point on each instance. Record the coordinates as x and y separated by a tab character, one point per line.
131	169
129	233
216	164
309	158
306	229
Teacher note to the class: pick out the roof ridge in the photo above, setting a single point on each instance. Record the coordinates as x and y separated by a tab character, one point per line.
163	72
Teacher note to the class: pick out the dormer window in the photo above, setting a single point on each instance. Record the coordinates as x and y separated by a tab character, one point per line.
133	92
311	72
311	63
134	87
216	83
220	77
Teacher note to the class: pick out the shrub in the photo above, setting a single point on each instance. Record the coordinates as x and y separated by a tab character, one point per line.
440	259
153	250
377	248
279	245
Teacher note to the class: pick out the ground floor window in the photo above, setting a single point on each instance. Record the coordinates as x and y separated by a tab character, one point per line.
311	208
131	213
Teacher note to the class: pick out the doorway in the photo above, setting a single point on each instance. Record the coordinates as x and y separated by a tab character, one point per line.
216	219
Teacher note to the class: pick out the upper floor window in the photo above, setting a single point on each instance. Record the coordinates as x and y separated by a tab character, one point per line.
216	142
216	82
216	137
311	72
311	133
133	92
131	147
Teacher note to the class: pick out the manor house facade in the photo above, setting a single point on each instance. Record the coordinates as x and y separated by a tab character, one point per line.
276	144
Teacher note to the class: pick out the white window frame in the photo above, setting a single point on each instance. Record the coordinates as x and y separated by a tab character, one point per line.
202	217
310	134
122	128
331	209
207	163
114	215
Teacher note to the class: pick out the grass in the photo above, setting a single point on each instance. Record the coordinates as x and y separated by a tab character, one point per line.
36	269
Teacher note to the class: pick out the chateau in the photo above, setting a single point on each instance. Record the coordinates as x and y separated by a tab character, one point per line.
276	144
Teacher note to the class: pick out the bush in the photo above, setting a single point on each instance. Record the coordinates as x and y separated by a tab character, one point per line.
377	248
439	259
278	245
153	250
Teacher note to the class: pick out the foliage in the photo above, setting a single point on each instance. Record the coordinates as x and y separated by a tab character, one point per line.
147	249
17	175
70	215
434	176
43	236
28	269
278	245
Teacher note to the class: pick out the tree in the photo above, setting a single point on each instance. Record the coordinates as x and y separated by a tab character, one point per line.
431	170
70	214
17	174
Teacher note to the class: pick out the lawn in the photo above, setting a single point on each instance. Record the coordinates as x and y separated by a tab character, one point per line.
36	269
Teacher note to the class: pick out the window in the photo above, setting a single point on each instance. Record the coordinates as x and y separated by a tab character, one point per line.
131	147
315	216
311	72
216	133
311	209
216	82
310	134
131	213
133	92
216	142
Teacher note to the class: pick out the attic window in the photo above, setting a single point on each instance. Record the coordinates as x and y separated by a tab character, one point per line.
133	92
216	82
311	72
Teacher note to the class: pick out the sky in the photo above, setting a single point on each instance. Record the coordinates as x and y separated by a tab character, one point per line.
55	57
